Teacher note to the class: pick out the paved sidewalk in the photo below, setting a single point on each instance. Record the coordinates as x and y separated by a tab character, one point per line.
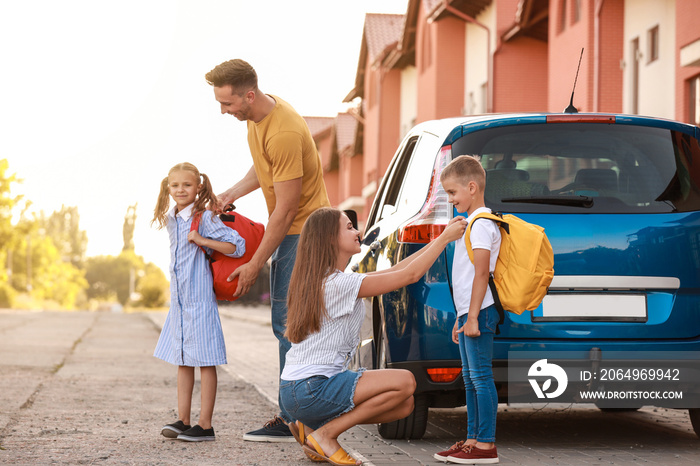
84	388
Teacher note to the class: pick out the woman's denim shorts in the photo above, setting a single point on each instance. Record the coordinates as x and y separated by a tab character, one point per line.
318	399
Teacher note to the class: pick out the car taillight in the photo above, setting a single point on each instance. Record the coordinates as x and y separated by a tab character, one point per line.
436	212
444	374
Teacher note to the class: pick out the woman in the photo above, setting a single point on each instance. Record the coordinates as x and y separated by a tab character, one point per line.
323	322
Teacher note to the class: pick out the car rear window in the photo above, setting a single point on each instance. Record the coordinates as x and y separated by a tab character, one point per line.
586	167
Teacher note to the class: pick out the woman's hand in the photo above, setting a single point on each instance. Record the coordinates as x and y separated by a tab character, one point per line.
455	229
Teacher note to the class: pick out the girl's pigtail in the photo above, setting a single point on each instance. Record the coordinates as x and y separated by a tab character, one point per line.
162	205
206	198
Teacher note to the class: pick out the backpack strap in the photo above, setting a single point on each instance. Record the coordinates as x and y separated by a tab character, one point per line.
498	218
196	220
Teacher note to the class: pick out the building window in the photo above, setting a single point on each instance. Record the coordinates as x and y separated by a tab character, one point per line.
695	100
562	15
653	42
576	13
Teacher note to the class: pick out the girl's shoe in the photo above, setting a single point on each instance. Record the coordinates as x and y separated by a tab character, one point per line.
299	436
197	434
174	429
442	455
339	458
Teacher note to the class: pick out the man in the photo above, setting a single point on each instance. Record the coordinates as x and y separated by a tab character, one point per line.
287	167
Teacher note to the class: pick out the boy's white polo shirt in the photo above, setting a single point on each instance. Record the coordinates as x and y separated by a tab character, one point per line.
485	234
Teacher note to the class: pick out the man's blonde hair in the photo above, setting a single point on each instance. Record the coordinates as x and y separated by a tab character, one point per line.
464	169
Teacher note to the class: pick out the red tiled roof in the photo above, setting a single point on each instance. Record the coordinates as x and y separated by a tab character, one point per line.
345	129
381	30
428	5
318	125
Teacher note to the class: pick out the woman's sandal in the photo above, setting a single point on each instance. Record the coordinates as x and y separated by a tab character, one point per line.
298	433
339	458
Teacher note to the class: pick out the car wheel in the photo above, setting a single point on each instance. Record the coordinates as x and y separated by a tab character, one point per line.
411	427
695	420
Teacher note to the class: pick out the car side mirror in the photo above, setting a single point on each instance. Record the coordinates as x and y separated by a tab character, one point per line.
352	215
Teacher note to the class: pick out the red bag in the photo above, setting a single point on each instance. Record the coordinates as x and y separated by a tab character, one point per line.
222	265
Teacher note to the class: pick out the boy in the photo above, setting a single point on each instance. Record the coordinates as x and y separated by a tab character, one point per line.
464	181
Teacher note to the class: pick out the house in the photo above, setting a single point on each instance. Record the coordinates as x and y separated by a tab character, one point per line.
447	58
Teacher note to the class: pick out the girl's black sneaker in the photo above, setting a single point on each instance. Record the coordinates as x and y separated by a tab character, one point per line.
174	429
197	434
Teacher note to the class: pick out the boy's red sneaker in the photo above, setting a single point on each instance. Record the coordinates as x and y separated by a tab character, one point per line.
472	455
442	455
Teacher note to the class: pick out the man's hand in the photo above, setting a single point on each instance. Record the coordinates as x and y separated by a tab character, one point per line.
247	276
246	185
455	331
225	198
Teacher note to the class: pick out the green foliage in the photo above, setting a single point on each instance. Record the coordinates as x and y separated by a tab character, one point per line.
34	248
7	295
108	276
153	287
63	227
38	268
7	203
46	259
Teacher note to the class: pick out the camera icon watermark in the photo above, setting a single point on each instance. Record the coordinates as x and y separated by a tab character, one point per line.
549	371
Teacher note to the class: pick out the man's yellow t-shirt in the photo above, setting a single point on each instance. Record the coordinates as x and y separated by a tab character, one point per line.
283	150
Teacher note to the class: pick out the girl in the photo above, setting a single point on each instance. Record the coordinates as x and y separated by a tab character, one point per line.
192	335
323	323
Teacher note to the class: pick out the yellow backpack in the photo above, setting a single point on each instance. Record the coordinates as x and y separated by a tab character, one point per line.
525	264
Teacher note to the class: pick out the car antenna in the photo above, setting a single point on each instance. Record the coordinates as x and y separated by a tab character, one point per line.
571	108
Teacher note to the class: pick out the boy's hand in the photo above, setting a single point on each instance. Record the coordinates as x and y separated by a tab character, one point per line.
455	229
471	328
455	331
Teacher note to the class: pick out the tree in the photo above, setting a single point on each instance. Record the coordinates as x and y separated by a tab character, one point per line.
152	287
63	227
38	268
110	277
7	232
128	229
7	203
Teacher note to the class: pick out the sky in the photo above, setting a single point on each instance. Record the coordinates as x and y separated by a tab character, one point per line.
98	98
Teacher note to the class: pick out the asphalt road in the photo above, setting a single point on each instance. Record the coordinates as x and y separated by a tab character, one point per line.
83	388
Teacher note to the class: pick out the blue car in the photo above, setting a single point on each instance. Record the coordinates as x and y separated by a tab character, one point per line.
619	198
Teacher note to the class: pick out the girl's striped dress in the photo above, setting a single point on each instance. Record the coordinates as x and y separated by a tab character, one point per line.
192	334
